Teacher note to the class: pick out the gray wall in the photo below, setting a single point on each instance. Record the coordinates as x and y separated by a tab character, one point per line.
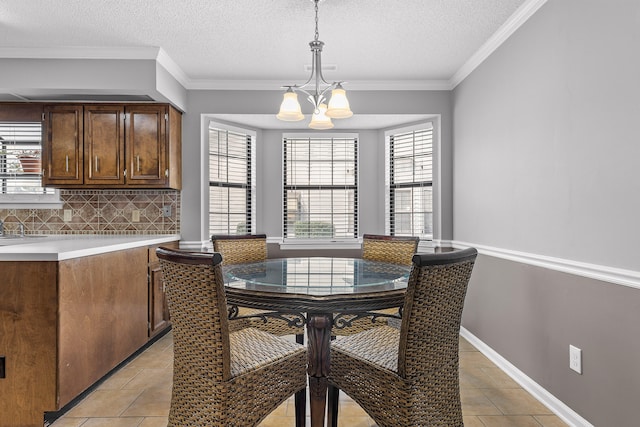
546	163
269	154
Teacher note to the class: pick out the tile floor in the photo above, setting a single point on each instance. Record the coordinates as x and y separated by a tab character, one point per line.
139	394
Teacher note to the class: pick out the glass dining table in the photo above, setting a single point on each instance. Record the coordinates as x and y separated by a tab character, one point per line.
321	293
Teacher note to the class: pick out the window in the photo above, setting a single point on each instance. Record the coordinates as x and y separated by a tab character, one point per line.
20	164
410	182
320	187
231	182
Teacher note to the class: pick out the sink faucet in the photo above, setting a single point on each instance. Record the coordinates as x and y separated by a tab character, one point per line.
1	228
21	228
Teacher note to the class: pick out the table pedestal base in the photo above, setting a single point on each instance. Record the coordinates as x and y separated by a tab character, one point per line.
319	351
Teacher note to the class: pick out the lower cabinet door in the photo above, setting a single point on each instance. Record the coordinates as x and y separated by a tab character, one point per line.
158	310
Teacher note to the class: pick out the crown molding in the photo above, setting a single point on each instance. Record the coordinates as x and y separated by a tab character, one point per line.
350	85
505	31
81	52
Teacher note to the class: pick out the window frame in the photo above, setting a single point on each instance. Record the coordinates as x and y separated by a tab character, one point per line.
322	243
250	207
39	200
433	184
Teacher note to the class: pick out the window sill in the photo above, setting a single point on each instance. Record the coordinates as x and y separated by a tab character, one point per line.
317	244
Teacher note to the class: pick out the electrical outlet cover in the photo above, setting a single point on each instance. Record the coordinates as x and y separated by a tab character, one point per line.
575	359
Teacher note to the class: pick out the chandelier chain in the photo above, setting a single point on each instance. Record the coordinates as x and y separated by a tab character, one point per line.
317	33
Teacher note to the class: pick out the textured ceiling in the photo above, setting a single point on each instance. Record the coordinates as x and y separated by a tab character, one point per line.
243	41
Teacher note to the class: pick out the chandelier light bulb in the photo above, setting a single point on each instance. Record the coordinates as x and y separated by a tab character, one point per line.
319	120
290	110
339	104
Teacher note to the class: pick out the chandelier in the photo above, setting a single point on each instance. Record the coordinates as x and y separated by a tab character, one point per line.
338	106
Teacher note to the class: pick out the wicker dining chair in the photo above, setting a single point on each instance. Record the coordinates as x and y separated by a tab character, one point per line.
245	248
390	249
409	377
221	378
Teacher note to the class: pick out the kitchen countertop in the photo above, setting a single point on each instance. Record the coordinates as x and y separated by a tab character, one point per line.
62	247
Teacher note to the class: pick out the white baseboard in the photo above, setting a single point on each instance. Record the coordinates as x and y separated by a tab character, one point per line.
564	412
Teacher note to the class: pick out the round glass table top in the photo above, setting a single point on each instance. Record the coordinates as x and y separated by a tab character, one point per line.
317	276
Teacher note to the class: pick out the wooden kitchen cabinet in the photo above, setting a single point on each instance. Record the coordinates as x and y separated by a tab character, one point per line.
104	145
118	146
64	325
159	318
62	145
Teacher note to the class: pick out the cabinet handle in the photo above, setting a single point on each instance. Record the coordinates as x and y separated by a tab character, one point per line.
96	163
138	160
66	162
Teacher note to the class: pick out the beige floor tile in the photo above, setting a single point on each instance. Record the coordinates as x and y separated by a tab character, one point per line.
509	421
515	402
474	359
274	421
472	421
351	410
356	422
120	378
498	378
550	421
68	422
282	410
113	422
154	422
151	402
105	403
472	377
474	402
152	360
150	378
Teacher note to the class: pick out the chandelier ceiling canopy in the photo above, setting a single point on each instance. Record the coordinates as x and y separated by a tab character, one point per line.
338	105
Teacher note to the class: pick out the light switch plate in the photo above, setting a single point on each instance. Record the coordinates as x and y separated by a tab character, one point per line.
67	215
135	215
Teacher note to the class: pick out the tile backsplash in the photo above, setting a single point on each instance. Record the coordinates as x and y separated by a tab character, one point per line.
101	212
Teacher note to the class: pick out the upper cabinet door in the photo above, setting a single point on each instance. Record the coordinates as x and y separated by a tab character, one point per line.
146	136
62	145
104	144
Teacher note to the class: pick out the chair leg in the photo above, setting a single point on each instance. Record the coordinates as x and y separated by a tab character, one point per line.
333	394
300	398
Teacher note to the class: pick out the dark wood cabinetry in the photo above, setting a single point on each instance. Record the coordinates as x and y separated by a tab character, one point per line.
62	149
65	324
116	146
158	310
104	145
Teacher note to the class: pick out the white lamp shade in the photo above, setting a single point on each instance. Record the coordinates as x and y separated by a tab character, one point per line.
339	105
290	110
319	120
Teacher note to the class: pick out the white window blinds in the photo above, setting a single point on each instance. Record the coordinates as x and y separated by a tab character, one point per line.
410	173
230	182
20	160
320	188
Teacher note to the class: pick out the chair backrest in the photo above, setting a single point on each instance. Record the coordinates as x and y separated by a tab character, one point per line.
240	249
197	304
429	335
393	249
